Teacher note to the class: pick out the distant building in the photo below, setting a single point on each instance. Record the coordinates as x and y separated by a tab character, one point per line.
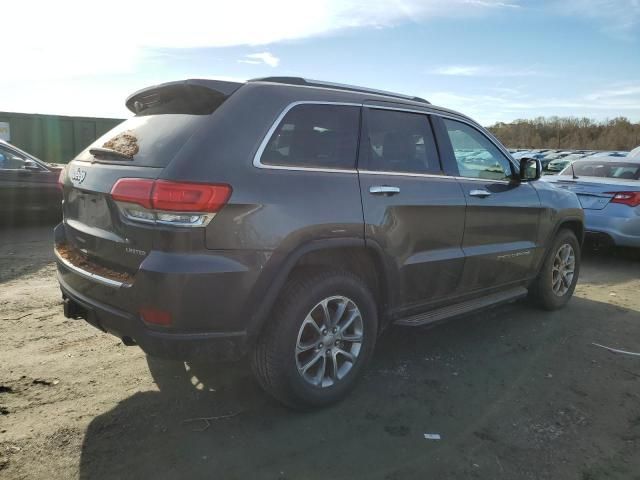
52	138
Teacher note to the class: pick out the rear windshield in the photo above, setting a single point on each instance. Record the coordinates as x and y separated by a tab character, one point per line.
150	140
166	117
622	170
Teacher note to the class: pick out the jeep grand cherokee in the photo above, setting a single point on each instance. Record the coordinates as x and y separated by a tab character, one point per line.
290	221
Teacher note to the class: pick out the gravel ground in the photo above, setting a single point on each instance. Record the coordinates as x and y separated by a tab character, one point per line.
514	393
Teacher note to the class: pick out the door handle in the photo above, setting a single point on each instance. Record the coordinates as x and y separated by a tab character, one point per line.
479	193
383	190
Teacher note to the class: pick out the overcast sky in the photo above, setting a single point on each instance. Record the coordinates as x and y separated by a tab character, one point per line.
493	60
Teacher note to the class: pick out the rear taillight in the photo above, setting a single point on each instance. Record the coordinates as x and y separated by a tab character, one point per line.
631	199
170	203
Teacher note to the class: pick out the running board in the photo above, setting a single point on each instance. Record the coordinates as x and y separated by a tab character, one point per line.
462	308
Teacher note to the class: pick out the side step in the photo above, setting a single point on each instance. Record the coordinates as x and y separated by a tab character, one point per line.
449	311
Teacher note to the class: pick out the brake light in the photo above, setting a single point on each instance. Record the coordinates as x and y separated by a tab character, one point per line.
631	199
189	197
173	203
133	190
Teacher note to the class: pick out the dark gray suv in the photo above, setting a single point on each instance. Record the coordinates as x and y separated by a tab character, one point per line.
291	221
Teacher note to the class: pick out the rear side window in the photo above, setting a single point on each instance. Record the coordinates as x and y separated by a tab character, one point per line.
317	136
400	142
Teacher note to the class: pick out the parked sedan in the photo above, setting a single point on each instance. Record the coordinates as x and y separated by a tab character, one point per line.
609	191
28	185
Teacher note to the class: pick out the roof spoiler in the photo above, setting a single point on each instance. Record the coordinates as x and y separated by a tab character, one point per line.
147	97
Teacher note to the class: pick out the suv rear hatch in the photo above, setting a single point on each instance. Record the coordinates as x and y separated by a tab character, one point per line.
110	216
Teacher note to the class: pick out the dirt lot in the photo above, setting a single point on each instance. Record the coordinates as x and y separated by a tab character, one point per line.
514	393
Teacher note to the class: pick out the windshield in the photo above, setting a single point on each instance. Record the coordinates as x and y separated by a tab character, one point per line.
621	170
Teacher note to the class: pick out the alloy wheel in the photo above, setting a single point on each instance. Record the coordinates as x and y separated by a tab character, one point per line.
329	341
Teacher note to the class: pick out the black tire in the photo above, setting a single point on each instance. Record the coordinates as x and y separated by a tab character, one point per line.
273	358
541	291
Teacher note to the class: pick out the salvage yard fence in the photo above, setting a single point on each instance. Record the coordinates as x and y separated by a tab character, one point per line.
52	138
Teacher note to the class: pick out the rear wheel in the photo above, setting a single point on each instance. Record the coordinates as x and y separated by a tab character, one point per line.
557	279
318	339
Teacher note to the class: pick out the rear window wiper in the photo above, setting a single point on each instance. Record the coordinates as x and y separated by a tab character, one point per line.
108	152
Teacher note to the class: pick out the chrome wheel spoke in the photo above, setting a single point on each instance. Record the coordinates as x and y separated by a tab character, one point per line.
325	312
305	347
354	338
342	306
334	367
310	322
311	362
350	319
345	354
319	377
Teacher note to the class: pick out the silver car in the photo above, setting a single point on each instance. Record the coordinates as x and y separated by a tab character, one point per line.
609	191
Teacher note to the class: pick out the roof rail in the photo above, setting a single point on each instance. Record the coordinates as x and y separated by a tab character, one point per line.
338	86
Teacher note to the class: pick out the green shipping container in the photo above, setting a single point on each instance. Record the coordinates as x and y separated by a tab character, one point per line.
52	138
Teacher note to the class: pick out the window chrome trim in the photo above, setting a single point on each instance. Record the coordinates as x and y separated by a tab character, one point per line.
404	174
427	111
265	141
430	175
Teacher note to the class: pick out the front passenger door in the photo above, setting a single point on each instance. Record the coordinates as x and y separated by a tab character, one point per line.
501	221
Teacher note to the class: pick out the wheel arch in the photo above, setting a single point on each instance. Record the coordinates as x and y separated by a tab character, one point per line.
574	224
365	260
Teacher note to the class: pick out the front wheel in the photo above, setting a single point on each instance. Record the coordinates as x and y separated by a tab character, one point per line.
558	277
319	338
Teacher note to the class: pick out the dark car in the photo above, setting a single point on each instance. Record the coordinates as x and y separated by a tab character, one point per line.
28	186
291	221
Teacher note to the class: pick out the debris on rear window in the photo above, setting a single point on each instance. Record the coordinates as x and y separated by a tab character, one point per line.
125	143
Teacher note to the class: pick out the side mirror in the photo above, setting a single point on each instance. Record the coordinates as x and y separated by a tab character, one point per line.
30	165
530	169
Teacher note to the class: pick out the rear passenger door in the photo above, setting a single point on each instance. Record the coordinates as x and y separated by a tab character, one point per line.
501	222
413	212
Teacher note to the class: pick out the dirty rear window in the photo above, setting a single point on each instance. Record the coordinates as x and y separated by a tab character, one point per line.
154	140
166	117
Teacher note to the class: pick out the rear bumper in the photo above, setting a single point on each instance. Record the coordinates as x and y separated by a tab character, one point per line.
201	290
619	222
219	346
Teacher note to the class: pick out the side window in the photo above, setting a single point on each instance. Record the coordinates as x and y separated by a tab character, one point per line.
10	160
320	136
476	155
400	142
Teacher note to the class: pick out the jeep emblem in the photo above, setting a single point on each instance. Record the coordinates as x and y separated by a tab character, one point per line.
78	176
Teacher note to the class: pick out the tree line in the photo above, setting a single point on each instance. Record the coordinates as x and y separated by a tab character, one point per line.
569	133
